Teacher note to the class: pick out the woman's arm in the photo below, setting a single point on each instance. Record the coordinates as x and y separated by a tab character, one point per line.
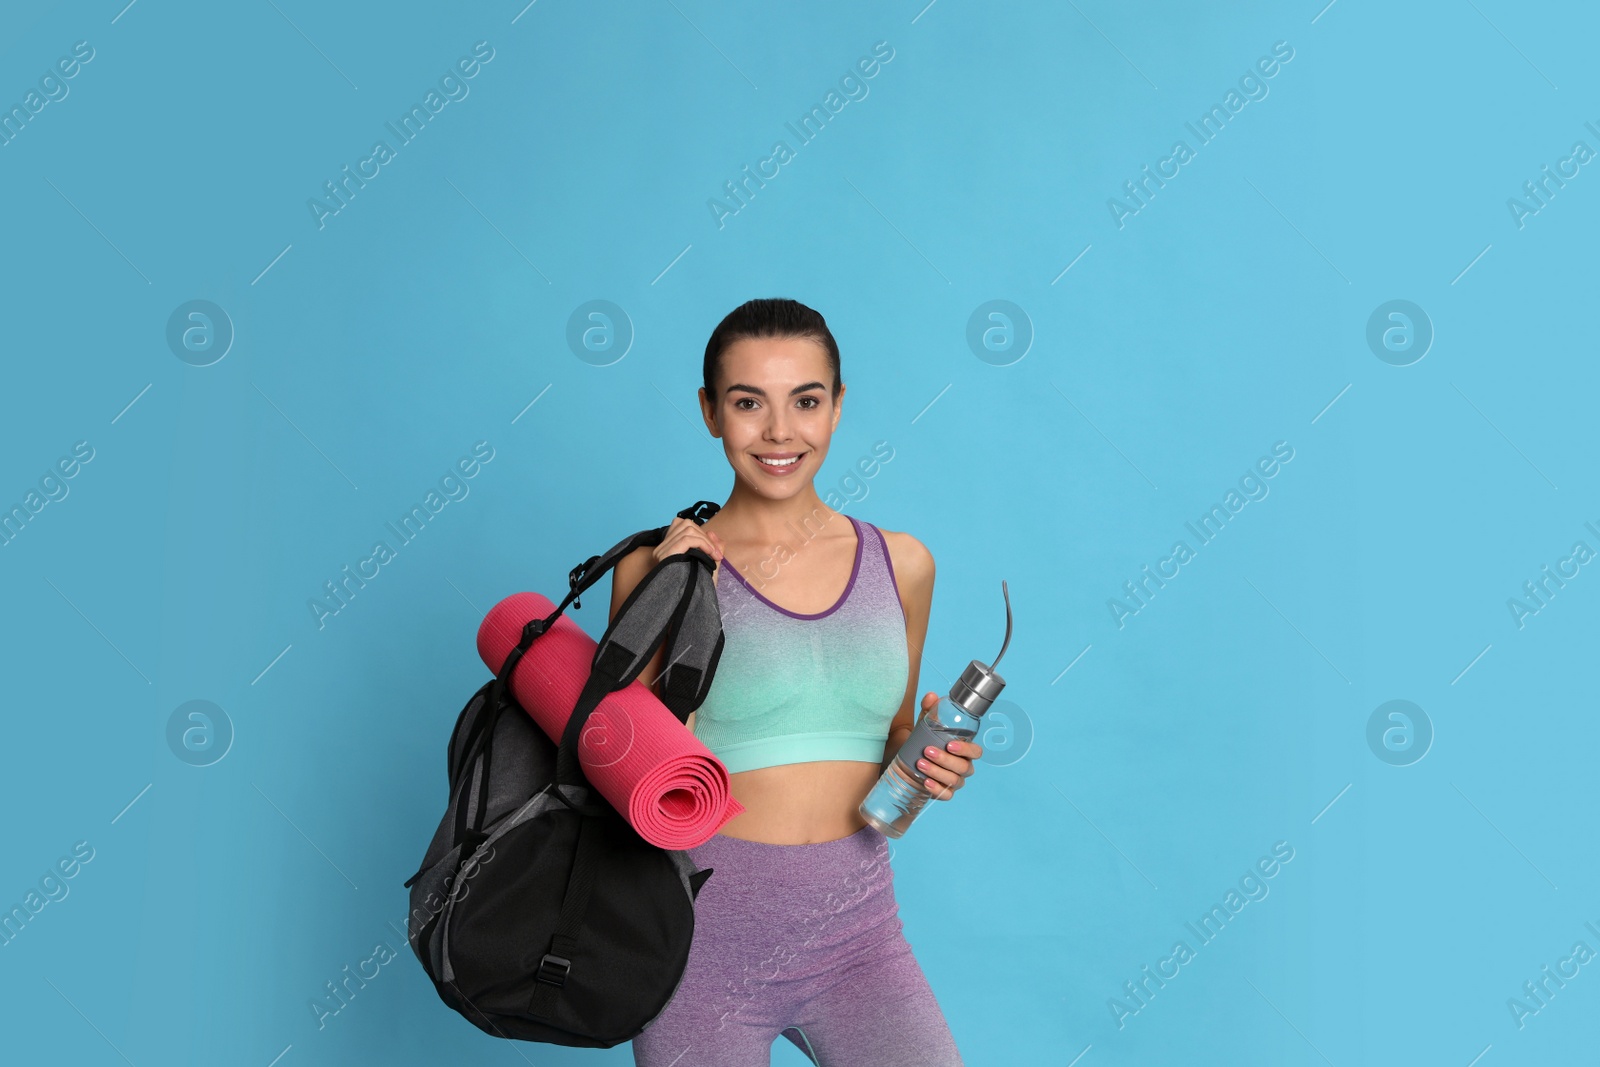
913	572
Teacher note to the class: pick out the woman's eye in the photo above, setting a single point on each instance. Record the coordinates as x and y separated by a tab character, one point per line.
811	401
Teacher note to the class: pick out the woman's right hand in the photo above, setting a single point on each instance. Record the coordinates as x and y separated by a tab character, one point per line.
684	534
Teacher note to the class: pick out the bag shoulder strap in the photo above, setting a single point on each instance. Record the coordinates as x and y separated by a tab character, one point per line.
657	605
693	647
694	629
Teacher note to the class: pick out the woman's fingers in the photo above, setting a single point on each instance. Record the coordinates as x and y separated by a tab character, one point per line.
945	771
947	768
683	534
939	781
706	545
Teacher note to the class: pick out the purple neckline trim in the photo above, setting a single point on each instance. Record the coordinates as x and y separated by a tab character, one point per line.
855	570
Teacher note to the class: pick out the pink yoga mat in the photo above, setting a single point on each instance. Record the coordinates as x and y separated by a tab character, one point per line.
654	771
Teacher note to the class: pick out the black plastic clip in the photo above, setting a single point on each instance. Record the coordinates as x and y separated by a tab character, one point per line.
576	575
553	969
700	511
532	629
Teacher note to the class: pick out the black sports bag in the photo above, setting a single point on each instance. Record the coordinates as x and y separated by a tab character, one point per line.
539	912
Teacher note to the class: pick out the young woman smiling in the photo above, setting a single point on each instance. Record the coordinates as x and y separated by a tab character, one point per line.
797	932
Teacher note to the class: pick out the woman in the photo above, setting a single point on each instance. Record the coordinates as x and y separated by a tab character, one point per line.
797	932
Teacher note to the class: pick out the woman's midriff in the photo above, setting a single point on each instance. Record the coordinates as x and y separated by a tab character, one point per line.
801	803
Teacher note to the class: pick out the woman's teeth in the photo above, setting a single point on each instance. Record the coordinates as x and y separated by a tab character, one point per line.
780	462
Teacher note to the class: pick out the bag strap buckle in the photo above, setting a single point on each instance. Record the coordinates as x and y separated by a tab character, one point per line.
576	575
553	969
700	511
532	629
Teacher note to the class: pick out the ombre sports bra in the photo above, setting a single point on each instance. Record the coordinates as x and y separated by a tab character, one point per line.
793	688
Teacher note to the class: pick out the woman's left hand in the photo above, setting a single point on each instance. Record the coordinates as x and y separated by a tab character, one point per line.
949	767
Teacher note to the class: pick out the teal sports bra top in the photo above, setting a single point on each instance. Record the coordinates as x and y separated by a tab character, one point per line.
794	688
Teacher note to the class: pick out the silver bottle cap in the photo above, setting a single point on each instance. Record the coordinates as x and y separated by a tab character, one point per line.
976	689
979	685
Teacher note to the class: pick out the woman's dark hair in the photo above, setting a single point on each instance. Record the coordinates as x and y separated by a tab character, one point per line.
769	317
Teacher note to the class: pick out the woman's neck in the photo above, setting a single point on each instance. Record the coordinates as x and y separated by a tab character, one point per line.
750	516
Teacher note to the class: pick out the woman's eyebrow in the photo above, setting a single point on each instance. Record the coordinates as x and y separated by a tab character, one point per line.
762	392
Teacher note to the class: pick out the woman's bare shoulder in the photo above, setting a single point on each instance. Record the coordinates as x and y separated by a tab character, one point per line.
912	561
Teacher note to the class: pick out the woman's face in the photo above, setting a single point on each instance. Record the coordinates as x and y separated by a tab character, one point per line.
774	403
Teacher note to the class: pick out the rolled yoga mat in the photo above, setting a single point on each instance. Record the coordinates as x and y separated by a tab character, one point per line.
655	772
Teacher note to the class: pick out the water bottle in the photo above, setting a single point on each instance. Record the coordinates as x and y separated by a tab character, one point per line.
899	796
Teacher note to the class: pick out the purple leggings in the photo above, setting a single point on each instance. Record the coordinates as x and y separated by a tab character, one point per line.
803	941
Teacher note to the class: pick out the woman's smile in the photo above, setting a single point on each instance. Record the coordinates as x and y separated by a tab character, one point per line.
780	464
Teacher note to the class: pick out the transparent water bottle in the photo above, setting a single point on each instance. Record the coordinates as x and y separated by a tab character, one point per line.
900	794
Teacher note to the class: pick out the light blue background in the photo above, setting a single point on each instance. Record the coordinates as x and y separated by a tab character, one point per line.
431	311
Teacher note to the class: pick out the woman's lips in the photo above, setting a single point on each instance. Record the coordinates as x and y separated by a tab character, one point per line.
782	471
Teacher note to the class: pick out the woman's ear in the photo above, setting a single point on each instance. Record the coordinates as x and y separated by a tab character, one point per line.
708	413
